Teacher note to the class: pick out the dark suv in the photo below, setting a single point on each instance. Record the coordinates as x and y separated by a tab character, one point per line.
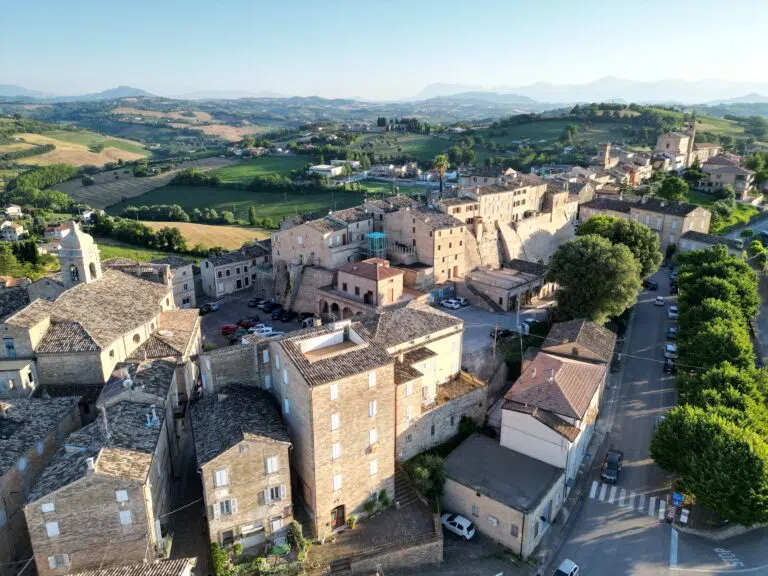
612	466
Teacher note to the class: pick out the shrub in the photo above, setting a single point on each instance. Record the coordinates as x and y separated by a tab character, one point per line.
237	549
383	499
747	233
351	521
370	506
427	472
220	560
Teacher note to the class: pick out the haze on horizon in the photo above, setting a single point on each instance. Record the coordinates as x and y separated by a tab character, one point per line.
374	50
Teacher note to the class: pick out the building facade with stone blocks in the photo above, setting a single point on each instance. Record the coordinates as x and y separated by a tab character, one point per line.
182	280
18	378
378	208
243	456
335	386
100	500
31	430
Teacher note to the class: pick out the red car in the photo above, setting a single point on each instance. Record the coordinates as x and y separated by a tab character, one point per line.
228	329
247	323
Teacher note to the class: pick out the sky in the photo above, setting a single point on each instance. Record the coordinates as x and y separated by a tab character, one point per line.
373	49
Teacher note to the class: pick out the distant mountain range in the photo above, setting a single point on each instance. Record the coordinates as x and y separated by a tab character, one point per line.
11	91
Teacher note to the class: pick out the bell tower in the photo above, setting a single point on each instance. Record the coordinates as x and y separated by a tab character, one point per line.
79	258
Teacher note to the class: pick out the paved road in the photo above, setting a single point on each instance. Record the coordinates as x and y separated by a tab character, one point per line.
619	530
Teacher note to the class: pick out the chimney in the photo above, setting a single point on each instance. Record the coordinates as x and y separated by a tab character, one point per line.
533	373
551	375
90	465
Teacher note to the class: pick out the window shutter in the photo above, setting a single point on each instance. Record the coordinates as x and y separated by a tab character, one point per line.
262	498
51	561
216	510
267	499
282	492
233	504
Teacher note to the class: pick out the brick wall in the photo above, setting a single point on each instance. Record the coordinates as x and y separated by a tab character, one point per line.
231	365
422	554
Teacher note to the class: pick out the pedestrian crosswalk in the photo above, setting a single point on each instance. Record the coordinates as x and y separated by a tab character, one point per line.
654	506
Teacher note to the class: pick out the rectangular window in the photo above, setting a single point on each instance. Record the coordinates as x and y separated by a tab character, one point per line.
493	521
337	482
237	270
52	528
432	430
277	524
371	379
268	381
513	530
276	493
245	268
357	290
49	507
58	561
272	465
475	511
228	507
408	437
221	478
335	421
226	272
120	496
286	406
372	408
285	375
373	436
218	274
334	391
277	360
336	450
265	356
409	388
344	286
125	517
374	465
10	348
408	413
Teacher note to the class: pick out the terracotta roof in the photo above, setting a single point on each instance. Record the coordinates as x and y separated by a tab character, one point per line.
106	309
547	418
418	355
560	385
597	339
326	225
350	215
662	207
457	201
152	377
726	169
401	325
394	203
612	204
174	336
434	218
733	243
371	270
27	421
63	337
230	257
405	373
177	567
233	414
363	358
172	261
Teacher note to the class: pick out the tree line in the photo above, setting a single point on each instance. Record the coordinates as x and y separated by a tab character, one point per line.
716	440
34	151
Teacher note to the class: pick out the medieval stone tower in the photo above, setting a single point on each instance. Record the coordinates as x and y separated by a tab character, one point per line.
79	258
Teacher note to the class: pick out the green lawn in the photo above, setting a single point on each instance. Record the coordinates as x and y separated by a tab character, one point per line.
383	189
268	204
109	248
87	138
246	170
548	130
390	144
740	214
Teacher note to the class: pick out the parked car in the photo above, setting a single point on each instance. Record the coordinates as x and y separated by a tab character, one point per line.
525	326
501	334
257	327
612	466
672	333
673	290
451	303
247	323
209	307
669	366
288	315
304	315
567	568
673	313
461	300
458	525
228	329
237	335
277	312
267	306
276	333
649	284
308	322
659	301
264	331
670	351
254	302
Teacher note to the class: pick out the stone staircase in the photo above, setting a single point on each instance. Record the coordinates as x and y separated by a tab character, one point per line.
405	493
341	566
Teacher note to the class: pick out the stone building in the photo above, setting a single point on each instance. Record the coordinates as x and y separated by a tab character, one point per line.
668	220
517	283
723	171
378	208
176	567
31	430
232	271
100	501
243	458
182	280
692	240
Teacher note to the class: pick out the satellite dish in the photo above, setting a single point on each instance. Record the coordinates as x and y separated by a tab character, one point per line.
128	383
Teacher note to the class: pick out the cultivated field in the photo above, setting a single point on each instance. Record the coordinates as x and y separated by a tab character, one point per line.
273	205
113	186
243	171
223	131
79	148
14	147
198	116
229	237
419	146
381	189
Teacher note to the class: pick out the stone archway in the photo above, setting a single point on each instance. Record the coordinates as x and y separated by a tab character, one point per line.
335	311
323	307
346	313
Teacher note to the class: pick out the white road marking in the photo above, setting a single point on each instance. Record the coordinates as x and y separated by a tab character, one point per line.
641	504
612	497
652	506
662	508
631	503
622	497
602	492
673	549
593	491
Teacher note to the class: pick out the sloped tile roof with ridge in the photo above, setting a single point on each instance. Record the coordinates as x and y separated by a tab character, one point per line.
405	373
597	339
394	203
547	418
434	218
325	225
560	385
177	567
64	337
418	355
732	243
351	215
535	268
175	335
401	325
173	261
233	414
612	204
371	270
149	377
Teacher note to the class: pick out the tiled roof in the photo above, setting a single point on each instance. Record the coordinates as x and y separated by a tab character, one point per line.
457	201
174	335
394	203
418	355
487	172
235	413
727	169
321	371
125	451
173	261
402	325
326	225
66	337
177	567
612	204
514	479
597	339
28	421
148	377
12	300
106	309
405	373
434	218
547	418
228	258
662	207
535	268
371	270
723	160
733	243
560	385
350	215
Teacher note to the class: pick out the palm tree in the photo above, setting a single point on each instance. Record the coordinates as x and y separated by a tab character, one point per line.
441	164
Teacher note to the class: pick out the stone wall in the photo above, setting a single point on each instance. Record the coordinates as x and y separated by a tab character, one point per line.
306	285
231	365
537	238
419	554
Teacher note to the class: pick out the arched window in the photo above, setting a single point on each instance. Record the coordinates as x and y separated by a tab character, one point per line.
136	338
92	269
74	274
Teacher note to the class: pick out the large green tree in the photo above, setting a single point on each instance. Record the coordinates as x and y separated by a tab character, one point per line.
672	189
715	342
639	238
722	377
597	279
723	465
441	164
707	310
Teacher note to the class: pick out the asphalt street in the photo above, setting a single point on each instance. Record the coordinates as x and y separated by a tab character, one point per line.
621	529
